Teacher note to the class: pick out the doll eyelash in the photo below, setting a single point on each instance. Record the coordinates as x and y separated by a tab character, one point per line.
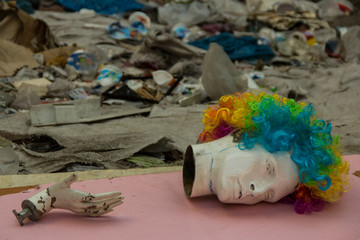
269	168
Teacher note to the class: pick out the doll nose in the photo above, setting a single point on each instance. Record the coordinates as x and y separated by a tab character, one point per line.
256	190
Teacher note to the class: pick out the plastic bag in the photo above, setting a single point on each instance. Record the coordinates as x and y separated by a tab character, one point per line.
330	9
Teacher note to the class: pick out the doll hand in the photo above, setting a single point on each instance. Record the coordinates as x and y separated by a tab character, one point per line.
88	204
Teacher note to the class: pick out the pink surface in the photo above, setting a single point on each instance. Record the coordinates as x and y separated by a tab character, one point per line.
155	207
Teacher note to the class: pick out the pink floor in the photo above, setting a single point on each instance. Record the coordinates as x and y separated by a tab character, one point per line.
155	207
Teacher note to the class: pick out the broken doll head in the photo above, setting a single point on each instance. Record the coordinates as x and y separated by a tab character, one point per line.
260	147
238	176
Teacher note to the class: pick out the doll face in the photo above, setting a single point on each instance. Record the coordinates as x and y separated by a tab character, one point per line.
252	175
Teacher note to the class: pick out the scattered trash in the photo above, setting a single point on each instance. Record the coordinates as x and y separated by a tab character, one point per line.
182	32
26	98
334	48
40	144
136	31
350	40
134	89
78	93
13	57
83	62
79	111
22	29
220	77
137	76
243	48
146	161
104	6
330	9
58	56
189	14
140	17
108	75
38	85
9	161
166	81
161	50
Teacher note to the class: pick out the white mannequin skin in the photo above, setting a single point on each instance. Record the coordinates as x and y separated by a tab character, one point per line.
238	176
81	202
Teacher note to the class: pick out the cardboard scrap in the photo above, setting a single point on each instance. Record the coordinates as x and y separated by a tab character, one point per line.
21	28
13	57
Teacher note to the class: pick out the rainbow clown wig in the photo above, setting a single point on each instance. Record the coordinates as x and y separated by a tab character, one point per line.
281	124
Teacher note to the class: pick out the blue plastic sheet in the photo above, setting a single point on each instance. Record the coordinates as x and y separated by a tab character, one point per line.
242	48
106	7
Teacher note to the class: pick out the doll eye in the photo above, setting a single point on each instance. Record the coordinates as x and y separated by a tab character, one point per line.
269	167
252	187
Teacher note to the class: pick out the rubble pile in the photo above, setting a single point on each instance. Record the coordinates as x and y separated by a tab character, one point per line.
122	84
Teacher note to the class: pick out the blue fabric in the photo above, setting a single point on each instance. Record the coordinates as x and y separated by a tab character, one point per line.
243	48
106	7
26	5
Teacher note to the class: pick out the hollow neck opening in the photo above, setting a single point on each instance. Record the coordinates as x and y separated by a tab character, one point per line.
189	171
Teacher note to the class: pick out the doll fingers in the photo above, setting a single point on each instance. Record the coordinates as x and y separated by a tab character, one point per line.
100	196
98	211
101	204
66	183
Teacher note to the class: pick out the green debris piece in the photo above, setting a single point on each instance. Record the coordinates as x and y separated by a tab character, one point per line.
146	161
4	142
274	89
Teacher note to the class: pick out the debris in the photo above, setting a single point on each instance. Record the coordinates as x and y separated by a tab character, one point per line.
58	56
38	85
83	62
330	9
80	111
60	88
26	98
9	161
351	40
146	161
165	82
140	79
243	48
188	14
40	144
137	31
220	77
104	6
14	57
163	50
78	93
108	75
20	28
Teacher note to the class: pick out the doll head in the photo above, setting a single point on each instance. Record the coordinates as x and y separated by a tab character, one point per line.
279	124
